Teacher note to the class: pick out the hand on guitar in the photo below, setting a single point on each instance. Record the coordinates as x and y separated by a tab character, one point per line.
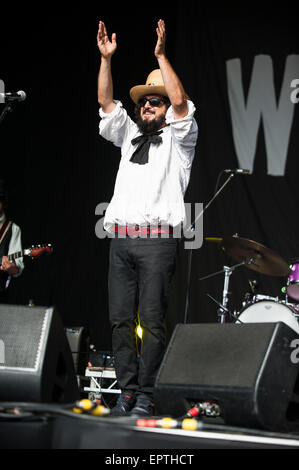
8	267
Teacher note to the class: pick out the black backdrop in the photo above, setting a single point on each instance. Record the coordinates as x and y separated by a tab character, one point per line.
59	170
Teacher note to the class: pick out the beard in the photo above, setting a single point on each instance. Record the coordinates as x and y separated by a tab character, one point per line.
148	127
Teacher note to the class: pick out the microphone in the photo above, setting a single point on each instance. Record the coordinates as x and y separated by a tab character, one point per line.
18	96
239	171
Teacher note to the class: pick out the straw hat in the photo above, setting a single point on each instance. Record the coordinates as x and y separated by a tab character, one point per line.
154	86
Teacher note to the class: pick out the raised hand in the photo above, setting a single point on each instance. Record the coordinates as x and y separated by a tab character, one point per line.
106	47
161	43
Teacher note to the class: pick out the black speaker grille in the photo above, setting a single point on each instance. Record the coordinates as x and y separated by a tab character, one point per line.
216	355
22	343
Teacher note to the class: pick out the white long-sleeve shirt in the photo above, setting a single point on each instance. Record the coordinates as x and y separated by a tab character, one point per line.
150	194
15	245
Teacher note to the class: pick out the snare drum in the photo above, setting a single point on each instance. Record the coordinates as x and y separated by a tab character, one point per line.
269	311
293	282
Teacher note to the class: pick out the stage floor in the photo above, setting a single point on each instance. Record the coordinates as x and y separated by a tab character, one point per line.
86	432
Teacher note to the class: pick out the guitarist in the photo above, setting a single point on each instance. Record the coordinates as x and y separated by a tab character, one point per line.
10	242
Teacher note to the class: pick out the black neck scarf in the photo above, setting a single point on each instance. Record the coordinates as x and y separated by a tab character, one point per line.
144	141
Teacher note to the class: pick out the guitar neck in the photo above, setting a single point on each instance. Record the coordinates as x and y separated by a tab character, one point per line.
34	252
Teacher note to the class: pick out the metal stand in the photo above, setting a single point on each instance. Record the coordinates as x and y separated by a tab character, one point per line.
7	109
96	388
192	228
227	274
223	310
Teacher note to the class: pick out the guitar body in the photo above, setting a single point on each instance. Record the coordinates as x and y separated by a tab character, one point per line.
34	252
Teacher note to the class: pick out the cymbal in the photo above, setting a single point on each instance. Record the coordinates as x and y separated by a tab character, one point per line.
240	249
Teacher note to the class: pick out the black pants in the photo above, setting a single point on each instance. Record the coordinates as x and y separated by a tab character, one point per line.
139	278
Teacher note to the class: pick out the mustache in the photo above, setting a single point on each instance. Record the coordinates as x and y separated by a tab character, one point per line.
148	111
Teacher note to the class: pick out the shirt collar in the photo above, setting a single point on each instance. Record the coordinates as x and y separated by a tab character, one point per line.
2	218
165	129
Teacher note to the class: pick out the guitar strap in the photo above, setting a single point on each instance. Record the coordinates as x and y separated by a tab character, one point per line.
5	279
4	229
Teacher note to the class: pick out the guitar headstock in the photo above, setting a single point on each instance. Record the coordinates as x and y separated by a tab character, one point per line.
38	250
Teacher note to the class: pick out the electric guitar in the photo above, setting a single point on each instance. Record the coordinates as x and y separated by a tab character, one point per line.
34	252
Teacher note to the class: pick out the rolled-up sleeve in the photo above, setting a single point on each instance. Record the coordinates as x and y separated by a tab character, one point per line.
184	132
115	125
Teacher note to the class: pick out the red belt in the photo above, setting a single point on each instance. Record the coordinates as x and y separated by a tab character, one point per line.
137	230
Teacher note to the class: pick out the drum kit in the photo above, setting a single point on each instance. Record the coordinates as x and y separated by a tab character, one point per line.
257	308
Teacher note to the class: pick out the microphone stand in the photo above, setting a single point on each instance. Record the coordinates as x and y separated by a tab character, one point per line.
191	228
7	109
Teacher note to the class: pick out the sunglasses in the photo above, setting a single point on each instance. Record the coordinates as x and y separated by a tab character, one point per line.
155	102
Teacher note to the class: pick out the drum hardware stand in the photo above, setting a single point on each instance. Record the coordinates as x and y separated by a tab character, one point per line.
224	309
191	228
250	295
286	297
253	285
222	312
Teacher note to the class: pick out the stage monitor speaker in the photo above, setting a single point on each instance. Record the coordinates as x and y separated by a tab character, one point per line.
246	369
36	364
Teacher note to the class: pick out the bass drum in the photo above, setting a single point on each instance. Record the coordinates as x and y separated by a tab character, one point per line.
269	311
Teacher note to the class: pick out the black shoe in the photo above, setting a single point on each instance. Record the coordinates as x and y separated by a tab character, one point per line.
124	405
143	407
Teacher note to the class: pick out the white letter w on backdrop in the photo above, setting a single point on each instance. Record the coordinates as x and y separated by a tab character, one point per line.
262	104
